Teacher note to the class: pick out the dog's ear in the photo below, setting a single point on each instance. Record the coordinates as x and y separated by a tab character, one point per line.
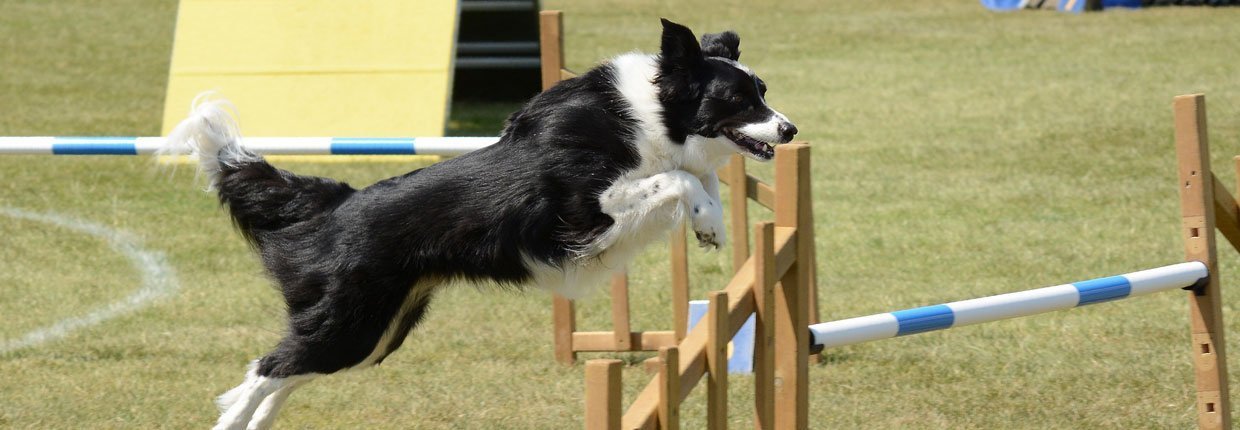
726	45
679	44
680	61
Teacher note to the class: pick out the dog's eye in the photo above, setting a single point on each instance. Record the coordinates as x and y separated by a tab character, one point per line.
736	99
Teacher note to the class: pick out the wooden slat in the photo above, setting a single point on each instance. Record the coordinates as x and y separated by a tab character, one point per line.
566	74
603	394
1225	217
564	318
669	388
596	341
564	323
760	192
738	190
551	43
642	411
755	189
717	362
621	334
764	326
1197	202
793	210
680	281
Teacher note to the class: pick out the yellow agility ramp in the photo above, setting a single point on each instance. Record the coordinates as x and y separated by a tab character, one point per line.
373	68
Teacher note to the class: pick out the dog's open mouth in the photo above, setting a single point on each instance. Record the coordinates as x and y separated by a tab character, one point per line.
757	148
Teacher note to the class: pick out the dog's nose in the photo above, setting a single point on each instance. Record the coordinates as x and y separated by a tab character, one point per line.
787	130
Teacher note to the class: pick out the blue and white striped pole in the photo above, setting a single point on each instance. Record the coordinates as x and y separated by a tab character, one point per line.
60	145
1004	306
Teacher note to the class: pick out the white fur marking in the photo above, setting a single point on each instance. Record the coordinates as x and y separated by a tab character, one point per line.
210	133
766	131
418	292
248	396
158	278
699	155
255	403
267	411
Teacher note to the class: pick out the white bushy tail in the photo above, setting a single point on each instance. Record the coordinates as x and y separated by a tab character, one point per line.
210	133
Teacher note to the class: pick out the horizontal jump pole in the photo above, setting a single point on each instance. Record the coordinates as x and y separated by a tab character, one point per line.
1004	306
69	145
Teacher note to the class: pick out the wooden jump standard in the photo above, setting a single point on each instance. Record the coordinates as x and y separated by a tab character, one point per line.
774	285
742	188
781	308
1205	204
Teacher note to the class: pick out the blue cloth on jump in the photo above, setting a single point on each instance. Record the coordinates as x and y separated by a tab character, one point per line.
373	145
95	146
923	319
1102	290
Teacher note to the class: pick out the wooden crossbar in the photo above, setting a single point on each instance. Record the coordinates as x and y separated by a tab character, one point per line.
1227	220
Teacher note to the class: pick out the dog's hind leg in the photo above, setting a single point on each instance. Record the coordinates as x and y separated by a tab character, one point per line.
266	413
241	402
346	332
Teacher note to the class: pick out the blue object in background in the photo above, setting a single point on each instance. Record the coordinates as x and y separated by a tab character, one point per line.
1074	6
740	349
1003	5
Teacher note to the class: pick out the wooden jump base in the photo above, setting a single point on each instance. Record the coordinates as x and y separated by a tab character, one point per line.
568	340
772	285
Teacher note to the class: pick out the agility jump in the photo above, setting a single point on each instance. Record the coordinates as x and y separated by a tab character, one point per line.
780	309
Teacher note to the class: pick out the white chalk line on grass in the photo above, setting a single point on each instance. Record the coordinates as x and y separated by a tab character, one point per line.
158	278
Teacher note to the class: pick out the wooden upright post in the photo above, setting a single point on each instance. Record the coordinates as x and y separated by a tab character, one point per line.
717	362
603	394
793	210
620	328
680	282
764	354
551	52
1198	220
669	388
738	190
551	46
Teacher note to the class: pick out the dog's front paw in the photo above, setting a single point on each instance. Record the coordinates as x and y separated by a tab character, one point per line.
707	221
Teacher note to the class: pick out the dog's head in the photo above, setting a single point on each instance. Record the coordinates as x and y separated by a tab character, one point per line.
706	92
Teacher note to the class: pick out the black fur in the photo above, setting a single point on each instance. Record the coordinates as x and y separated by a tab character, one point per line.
347	260
725	45
701	94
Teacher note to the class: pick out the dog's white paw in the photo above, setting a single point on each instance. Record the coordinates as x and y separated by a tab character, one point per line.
706	217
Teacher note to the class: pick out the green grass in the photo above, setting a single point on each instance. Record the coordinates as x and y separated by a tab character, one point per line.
957	153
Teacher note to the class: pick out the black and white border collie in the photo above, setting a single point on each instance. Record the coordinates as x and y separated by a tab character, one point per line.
584	176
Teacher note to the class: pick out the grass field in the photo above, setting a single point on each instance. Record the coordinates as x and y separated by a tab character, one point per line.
957	153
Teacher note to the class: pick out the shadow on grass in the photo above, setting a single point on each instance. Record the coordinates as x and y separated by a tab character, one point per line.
833	357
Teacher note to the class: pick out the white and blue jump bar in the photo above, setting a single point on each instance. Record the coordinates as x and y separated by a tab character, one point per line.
1004	306
60	145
